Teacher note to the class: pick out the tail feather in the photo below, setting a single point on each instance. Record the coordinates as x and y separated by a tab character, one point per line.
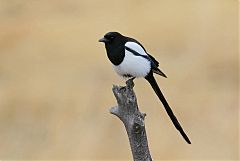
168	109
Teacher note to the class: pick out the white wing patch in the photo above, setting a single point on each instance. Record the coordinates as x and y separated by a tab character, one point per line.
136	47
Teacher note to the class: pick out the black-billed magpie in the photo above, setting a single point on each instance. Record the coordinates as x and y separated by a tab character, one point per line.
131	60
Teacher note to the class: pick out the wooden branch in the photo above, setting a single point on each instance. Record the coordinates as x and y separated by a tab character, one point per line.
127	111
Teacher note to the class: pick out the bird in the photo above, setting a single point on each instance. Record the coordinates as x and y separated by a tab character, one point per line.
131	60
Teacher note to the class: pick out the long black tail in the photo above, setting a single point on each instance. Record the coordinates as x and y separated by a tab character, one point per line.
157	90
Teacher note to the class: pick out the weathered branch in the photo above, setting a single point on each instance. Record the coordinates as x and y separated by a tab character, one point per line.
127	111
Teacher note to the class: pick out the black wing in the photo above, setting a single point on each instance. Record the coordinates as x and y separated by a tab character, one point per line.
154	62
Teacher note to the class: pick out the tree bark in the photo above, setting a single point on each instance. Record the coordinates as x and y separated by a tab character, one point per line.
127	111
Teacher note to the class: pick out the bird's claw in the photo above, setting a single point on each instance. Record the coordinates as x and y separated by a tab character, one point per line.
130	82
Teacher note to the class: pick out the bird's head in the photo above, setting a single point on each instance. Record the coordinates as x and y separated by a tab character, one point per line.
111	37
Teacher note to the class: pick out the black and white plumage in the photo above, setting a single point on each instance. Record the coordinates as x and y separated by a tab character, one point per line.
130	59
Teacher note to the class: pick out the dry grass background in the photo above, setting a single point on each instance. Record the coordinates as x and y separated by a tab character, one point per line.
55	79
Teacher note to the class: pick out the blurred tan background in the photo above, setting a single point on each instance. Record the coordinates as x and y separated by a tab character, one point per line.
55	78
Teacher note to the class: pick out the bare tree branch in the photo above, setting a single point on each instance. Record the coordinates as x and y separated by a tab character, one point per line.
127	111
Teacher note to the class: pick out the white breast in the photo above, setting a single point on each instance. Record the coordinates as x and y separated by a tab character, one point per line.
133	65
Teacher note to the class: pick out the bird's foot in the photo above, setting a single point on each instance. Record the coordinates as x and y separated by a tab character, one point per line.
130	82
